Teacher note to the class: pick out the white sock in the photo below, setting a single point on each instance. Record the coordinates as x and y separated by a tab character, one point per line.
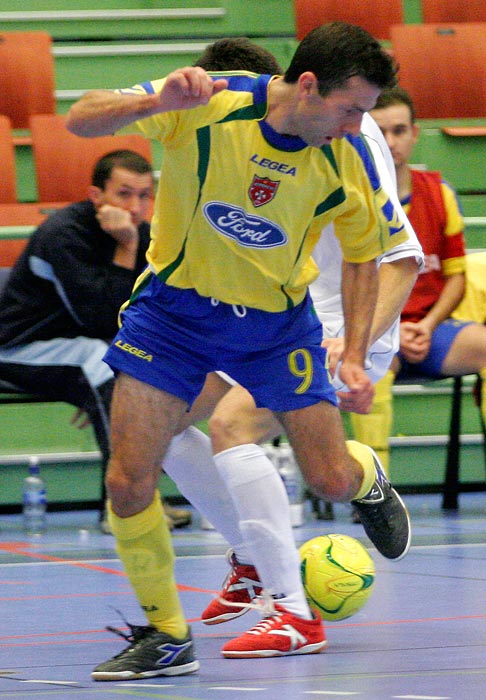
189	463
261	501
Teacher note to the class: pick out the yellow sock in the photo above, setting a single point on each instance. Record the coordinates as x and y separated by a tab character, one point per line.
364	456
482	398
144	546
374	428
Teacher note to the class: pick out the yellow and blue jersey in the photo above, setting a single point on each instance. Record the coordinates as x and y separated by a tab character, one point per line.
240	207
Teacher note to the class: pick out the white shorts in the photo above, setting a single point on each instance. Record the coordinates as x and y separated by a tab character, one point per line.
380	354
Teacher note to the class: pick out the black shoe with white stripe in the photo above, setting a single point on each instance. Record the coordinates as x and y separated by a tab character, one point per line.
385	517
150	653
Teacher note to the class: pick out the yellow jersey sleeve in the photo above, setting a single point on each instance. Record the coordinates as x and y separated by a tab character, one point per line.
369	224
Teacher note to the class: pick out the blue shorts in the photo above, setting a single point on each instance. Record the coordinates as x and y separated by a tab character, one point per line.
171	338
442	339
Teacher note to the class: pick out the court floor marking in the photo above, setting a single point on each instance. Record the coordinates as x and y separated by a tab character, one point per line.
441	545
334	693
134	689
45	559
23	550
47	682
422	697
235	688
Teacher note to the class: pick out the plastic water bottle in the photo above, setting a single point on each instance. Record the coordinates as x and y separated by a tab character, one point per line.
34	500
283	458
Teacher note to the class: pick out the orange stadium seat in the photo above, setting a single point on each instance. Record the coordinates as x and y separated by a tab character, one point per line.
64	162
20	214
376	16
27	83
453	11
443	66
8	181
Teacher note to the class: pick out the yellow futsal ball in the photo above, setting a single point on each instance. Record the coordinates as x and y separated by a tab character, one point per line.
338	575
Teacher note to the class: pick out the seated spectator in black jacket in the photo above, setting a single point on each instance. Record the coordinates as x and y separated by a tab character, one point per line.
60	306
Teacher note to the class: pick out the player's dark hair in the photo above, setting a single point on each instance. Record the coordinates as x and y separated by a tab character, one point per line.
338	51
123	158
396	96
238	53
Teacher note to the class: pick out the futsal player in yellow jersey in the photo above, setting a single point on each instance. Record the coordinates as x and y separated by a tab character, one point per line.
262	170
253	168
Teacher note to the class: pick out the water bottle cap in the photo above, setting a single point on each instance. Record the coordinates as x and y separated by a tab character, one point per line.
34	465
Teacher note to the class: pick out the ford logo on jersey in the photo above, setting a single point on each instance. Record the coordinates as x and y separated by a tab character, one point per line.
236	223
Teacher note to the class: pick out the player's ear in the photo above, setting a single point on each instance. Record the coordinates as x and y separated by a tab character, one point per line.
307	83
94	194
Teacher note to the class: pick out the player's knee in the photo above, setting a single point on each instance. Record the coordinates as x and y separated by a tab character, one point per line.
224	431
332	483
127	488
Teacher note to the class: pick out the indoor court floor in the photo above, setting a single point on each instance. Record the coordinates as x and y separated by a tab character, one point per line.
421	635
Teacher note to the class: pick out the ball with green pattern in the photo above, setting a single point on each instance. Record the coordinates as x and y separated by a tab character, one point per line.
338	575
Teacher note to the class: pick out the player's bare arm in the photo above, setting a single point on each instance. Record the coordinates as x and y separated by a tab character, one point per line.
118	224
448	300
359	293
102	112
396	280
415	338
